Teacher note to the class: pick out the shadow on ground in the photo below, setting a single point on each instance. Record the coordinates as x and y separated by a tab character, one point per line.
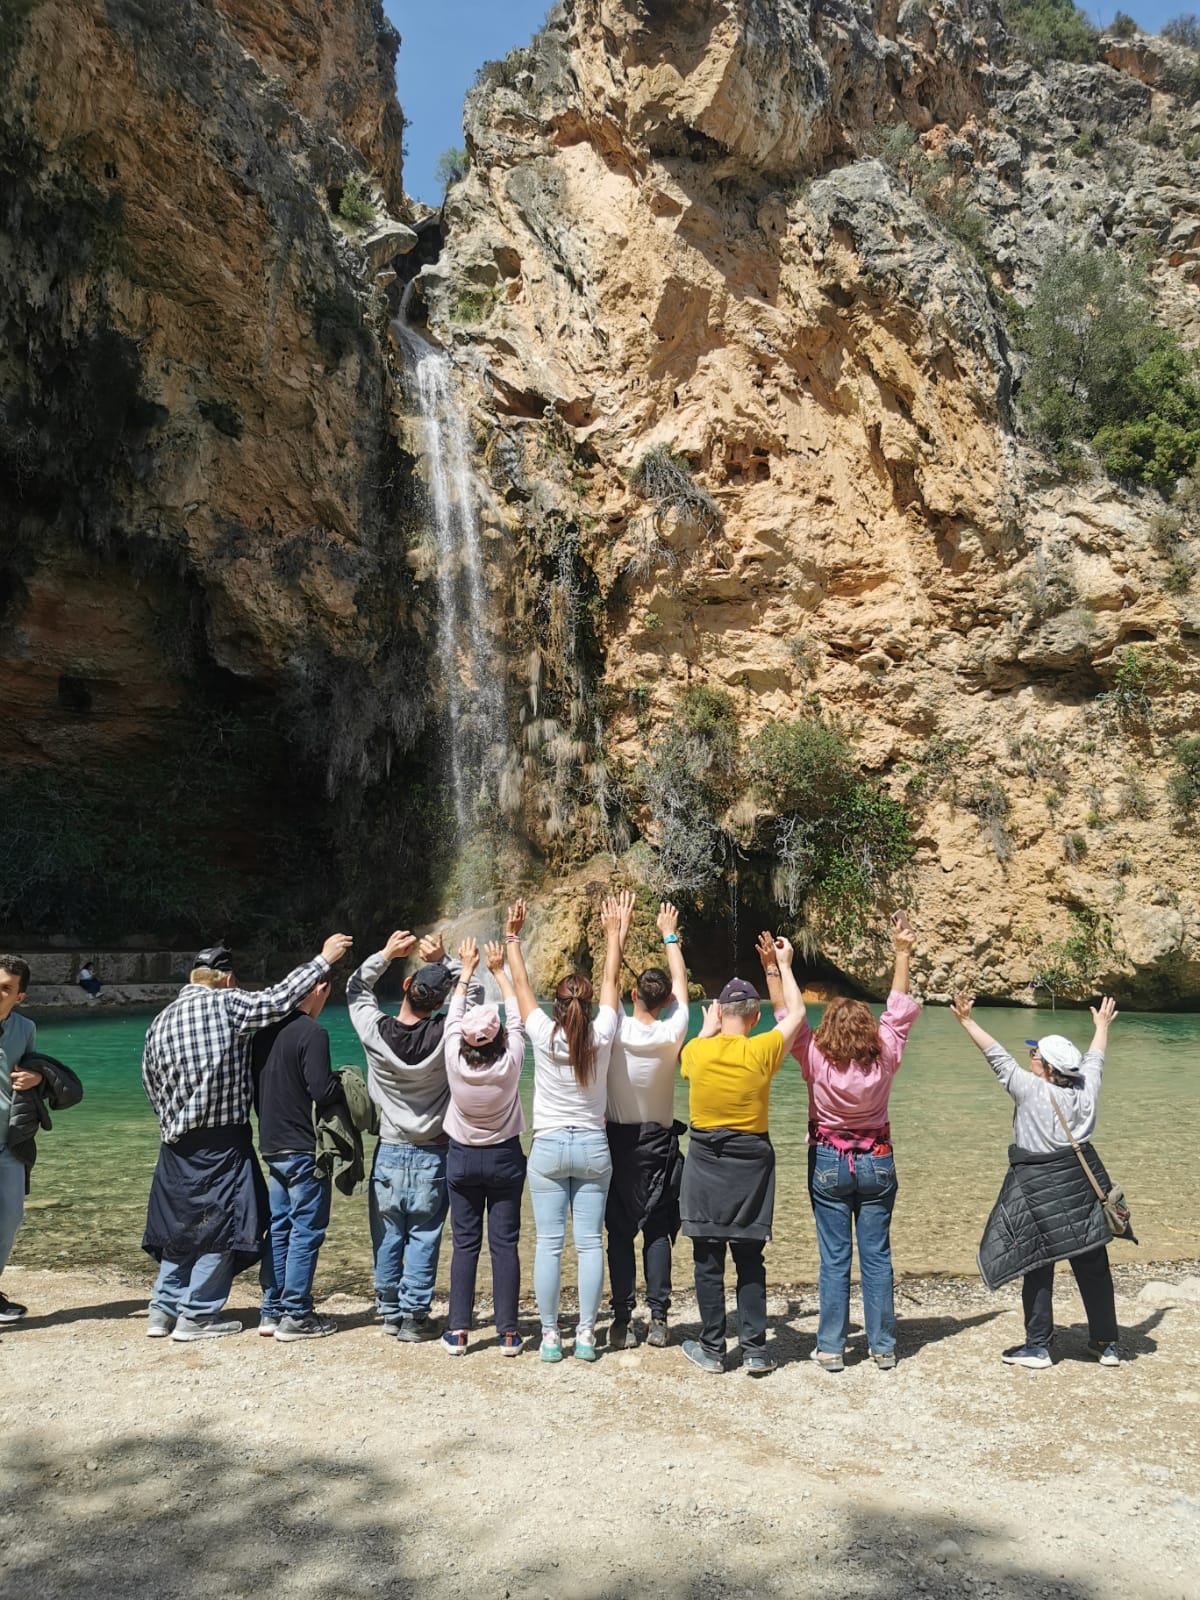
185	1516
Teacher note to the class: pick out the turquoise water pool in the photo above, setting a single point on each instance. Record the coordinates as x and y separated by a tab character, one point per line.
950	1120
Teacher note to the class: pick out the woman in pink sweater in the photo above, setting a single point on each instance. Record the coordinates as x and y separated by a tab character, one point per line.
849	1064
485	1165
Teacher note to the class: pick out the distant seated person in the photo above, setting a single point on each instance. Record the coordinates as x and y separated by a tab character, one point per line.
89	982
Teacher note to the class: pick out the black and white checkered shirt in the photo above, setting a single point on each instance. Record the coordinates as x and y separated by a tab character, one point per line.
196	1064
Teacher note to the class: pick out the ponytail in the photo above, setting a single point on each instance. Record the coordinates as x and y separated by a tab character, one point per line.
573	1014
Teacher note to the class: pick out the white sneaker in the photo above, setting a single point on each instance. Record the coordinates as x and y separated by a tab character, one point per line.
158	1323
267	1326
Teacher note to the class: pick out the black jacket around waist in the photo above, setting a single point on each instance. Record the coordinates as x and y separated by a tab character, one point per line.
207	1196
59	1090
1046	1211
647	1171
728	1187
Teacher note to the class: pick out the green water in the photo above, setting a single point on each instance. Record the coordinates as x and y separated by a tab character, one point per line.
950	1122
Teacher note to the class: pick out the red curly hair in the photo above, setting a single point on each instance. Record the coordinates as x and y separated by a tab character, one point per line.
848	1032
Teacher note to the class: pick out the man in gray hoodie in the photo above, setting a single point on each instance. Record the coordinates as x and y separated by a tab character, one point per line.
406	1078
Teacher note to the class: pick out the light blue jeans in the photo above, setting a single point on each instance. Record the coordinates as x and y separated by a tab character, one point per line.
299	1218
846	1202
196	1288
569	1171
408	1205
12	1201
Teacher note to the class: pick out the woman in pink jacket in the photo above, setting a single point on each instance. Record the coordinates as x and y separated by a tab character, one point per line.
849	1064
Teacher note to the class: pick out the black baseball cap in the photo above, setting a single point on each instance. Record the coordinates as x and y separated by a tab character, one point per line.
430	985
217	957
738	989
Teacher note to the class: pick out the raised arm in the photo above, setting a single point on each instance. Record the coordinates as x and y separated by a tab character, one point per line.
769	956
493	954
1103	1016
903	939
249	1010
962	1005
526	999
468	956
1019	1084
616	917
668	925
793	1003
365	1010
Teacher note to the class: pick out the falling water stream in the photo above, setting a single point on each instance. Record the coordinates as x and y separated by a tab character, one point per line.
473	690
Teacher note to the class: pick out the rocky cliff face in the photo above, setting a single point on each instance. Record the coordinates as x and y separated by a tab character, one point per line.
684	226
205	594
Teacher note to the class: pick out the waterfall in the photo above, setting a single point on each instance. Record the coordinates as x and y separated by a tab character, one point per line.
466	669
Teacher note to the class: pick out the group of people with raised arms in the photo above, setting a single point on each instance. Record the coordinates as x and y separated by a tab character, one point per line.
443	1093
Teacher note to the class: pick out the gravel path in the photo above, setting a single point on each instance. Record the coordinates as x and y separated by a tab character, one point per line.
354	1466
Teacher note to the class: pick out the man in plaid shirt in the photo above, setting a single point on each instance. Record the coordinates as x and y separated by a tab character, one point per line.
204	1221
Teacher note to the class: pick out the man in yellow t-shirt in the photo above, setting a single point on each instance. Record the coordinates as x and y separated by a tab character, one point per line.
728	1193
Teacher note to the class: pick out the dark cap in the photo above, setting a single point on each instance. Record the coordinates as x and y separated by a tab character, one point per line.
737	989
218	958
431	984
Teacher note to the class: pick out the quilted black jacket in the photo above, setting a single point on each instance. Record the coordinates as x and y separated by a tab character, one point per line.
1046	1211
58	1091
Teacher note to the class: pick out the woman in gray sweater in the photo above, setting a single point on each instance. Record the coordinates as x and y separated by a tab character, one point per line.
1049	1211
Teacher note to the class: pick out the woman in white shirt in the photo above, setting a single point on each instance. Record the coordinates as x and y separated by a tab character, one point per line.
569	1162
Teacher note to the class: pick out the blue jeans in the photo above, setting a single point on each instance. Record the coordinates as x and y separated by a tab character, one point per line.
843	1202
569	1171
299	1217
12	1200
408	1206
195	1288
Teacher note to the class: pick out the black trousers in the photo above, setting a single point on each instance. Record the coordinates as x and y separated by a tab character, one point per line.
747	1256
622	1272
1094	1277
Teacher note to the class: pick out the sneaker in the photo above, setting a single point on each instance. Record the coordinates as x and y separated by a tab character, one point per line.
658	1333
309	1326
267	1326
511	1344
585	1344
700	1357
10	1311
828	1359
1108	1355
1027	1355
158	1323
621	1336
885	1360
551	1345
415	1330
455	1343
210	1328
757	1364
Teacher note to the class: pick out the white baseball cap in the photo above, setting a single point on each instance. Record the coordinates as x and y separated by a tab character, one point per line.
1060	1054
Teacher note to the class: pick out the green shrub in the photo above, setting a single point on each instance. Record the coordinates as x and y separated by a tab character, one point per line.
1183	785
1071	966
804	767
687	785
1141	672
1180	572
1100	368
1184	30
1089	141
452	166
1050	30
470	305
1123	26
1075	847
990	804
355	205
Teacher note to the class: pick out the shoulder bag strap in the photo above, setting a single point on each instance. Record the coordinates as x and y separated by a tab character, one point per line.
1091	1176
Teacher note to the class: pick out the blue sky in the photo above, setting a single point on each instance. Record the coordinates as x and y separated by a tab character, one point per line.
445	42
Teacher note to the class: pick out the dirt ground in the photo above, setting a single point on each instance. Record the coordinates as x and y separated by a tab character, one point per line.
354	1466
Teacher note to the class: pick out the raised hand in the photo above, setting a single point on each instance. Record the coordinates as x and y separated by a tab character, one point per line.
962	1005
667	920
903	934
783	951
493	954
610	914
1106	1012
515	919
767	954
468	954
399	945
626	900
712	1021
433	948
336	945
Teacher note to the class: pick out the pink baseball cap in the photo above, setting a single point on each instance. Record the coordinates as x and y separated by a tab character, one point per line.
480	1025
